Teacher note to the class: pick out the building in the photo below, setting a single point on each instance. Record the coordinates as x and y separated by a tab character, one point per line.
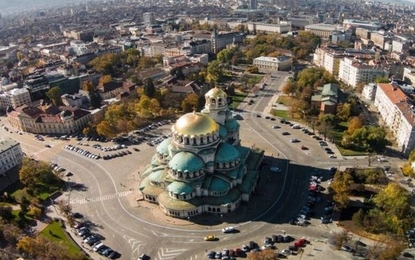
253	4
270	64
397	112
75	100
327	100
323	30
281	27
202	168
11	156
221	40
14	98
110	89
353	72
67	85
353	24
49	119
369	91
149	18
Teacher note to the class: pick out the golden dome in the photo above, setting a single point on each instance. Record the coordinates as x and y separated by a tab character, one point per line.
216	92
195	124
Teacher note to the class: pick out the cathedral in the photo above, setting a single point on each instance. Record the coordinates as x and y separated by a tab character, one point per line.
202	167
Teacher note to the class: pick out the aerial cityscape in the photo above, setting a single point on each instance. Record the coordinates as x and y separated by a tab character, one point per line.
207	130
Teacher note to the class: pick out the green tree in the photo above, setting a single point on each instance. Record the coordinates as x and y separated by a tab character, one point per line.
214	72
54	94
380	79
343	111
149	88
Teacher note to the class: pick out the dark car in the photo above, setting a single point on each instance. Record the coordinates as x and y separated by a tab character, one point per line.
144	257
285	133
77	215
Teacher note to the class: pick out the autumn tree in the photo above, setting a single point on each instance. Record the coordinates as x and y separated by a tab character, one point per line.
54	94
354	124
105	79
32	173
190	103
343	111
106	129
341	187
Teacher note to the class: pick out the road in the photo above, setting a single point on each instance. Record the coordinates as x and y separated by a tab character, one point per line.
109	196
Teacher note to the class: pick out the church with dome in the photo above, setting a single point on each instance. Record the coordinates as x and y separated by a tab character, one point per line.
202	167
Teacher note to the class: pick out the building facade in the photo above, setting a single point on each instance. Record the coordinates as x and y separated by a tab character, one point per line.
11	156
398	113
14	98
202	168
269	64
353	72
38	121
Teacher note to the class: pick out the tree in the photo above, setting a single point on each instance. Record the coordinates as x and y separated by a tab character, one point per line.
105	79
343	111
88	86
104	128
380	79
149	89
214	72
407	170
341	187
54	94
146	63
354	124
33	173
190	103
338	239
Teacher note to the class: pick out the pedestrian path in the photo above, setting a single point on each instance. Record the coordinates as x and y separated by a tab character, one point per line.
101	198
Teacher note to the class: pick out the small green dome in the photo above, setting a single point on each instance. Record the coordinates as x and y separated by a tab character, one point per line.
226	153
232	125
186	161
158	176
222	131
219	185
179	187
163	147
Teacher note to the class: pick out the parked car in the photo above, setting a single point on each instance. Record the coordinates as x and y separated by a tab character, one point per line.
228	230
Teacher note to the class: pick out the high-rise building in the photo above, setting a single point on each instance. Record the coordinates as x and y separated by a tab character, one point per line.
148	18
253	4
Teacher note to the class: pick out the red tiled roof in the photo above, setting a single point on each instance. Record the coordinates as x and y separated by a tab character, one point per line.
395	94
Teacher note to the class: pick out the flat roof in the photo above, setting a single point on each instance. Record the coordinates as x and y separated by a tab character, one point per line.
7	143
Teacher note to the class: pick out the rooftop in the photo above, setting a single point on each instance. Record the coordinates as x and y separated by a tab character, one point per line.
7	143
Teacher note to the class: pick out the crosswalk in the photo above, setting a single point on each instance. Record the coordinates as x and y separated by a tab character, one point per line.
169	253
101	198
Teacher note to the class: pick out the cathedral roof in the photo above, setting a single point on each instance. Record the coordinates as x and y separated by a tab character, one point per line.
232	125
186	161
226	153
179	187
195	124
163	147
216	92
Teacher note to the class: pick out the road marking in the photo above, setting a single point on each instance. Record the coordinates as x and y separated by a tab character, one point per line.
101	198
135	245
169	253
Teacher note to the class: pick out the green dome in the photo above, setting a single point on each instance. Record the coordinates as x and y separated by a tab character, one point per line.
219	185
226	153
163	147
186	161
180	188
222	131
232	125
195	124
157	176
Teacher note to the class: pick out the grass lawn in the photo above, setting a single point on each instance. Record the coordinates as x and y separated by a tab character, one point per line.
237	99
284	100
280	113
55	232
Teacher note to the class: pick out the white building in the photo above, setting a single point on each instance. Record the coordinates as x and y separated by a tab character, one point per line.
323	30
398	113
11	155
14	98
369	91
353	72
149	18
269	64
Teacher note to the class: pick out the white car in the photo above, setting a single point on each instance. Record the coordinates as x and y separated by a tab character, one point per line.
228	230
294	140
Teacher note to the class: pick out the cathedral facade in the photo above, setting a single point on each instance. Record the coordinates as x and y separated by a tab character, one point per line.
202	167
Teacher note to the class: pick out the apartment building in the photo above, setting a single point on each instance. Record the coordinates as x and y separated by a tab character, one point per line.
353	72
11	155
397	111
221	40
270	64
14	98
